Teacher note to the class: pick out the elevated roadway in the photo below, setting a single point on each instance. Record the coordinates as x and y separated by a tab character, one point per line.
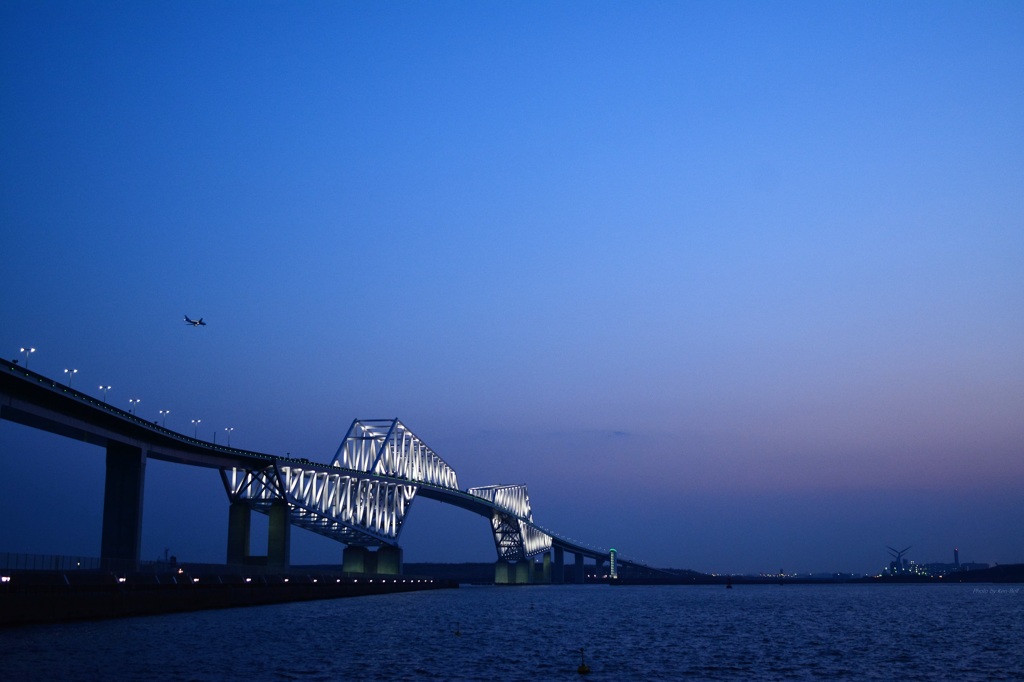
36	401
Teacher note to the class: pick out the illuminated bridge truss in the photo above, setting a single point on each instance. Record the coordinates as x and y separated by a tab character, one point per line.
335	500
387	448
515	536
340	505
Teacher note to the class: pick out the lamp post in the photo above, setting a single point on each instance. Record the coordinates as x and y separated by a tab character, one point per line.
105	389
70	373
229	429
135	404
27	351
195	427
163	417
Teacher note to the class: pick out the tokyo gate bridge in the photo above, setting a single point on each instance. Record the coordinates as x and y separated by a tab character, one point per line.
360	498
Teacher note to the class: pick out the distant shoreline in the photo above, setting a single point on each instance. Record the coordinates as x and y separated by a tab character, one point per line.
1008	573
483	574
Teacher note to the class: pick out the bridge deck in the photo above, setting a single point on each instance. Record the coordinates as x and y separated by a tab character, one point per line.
37	401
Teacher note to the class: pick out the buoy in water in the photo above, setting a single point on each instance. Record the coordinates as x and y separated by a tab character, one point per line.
584	668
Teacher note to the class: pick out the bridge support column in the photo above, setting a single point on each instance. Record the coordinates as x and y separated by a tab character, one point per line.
239	533
121	543
502	572
546	571
559	572
279	537
389	560
355	559
524	572
579	575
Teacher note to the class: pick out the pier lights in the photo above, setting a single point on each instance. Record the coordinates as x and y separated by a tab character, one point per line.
105	389
27	351
135	404
195	427
229	429
70	373
163	417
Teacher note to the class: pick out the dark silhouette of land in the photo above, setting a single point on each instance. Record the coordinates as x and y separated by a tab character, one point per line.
483	574
48	596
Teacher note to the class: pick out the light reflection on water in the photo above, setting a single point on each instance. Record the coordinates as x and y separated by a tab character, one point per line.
907	632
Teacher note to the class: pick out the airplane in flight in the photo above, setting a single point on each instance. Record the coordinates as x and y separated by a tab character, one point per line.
194	323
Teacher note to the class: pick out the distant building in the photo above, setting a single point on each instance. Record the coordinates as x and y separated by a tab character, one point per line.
937	569
902	566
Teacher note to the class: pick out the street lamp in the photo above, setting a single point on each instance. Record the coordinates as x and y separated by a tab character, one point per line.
26	351
229	429
69	372
135	403
105	389
163	417
195	427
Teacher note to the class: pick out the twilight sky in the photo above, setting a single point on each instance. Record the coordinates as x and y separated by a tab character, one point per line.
730	286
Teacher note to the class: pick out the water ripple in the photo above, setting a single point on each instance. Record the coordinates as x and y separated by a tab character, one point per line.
792	632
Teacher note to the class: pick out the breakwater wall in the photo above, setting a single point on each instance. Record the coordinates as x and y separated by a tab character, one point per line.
44	597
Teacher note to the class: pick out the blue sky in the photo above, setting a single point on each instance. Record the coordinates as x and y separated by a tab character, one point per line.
729	286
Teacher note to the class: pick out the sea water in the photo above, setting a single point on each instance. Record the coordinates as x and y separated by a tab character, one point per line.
762	632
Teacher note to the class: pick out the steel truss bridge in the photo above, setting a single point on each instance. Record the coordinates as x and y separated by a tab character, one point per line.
360	498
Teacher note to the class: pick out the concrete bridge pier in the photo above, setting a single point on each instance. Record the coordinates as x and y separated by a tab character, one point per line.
355	559
121	543
545	575
279	536
579	575
513	572
387	560
558	576
239	533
